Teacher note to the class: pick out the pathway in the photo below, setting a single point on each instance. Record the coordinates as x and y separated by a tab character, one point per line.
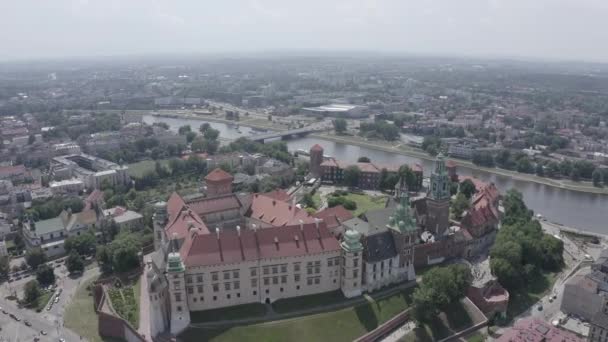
398	334
144	303
272	317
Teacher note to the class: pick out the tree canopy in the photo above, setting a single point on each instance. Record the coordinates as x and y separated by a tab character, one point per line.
351	175
45	275
35	257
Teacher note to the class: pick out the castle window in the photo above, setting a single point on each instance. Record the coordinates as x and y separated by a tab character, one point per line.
216	287
317	280
298	287
283	268
267	291
309	281
355	273
356	263
176	284
190	289
227	286
296	267
255	293
235	274
267	281
189	279
178	297
236	285
228	296
275	280
199	289
194	299
214	276
275	270
214	297
179	308
355	284
254	271
238	295
281	289
329	262
266	270
254	282
199	278
226	275
334	281
283	279
296	277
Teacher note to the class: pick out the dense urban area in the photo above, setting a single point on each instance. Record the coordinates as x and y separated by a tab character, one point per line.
301	199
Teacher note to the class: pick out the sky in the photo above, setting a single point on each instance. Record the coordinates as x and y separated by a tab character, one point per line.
540	29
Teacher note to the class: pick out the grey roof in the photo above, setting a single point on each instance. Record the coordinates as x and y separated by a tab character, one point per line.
380	218
357	224
54	224
379	246
600	319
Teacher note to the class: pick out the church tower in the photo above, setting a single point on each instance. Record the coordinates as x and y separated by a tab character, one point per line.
316	158
352	251
438	200
180	313
159	221
405	234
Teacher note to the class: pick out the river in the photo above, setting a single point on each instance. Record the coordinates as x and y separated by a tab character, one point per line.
574	209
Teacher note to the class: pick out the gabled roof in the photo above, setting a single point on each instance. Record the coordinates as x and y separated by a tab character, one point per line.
218	175
316	147
275	212
278	194
333	217
379	246
207	205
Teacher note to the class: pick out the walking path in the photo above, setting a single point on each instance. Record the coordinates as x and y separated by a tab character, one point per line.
144	303
272	317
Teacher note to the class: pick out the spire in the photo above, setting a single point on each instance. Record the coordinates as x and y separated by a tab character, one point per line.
174	260
403	219
440	181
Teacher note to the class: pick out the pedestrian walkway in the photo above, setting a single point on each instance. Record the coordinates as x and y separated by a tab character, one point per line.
144	303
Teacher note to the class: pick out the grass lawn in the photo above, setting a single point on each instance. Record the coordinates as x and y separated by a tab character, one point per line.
232	312
140	168
41	302
522	299
307	302
80	315
455	318
317	199
476	337
342	325
125	301
365	202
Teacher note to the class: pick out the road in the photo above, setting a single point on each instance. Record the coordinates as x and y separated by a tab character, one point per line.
50	321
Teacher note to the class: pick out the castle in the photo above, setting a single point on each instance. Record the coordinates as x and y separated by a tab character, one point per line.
227	249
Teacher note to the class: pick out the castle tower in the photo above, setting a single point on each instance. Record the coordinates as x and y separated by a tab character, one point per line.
316	158
438	200
159	303
180	313
405	234
159	221
219	182
352	251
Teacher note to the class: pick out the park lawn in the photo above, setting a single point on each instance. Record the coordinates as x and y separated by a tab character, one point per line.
125	302
366	202
80	315
229	313
138	169
307	302
476	337
524	298
43	300
455	318
316	198
341	325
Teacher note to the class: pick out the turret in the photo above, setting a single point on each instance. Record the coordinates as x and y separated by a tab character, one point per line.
159	220
352	251
176	271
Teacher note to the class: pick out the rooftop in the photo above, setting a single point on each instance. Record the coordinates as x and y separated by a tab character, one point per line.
218	175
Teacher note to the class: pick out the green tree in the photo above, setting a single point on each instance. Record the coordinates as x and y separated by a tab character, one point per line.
31	291
124	252
597	177
184	129
83	244
363	159
307	201
540	170
104	259
351	175
211	134
467	188
340	125
31	139
204	127
35	257
190	136
411	180
460	204
45	275
74	263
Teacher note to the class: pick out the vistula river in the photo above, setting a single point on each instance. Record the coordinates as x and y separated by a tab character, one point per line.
573	209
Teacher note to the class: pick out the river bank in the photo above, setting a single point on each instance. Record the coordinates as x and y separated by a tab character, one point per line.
586	187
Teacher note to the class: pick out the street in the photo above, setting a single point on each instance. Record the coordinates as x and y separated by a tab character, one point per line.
49	321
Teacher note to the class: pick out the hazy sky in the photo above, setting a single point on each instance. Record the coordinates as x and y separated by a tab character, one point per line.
555	29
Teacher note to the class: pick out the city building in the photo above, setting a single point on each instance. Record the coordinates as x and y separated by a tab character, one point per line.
66	148
66	186
91	170
316	159
585	295
535	330
50	235
338	110
126	219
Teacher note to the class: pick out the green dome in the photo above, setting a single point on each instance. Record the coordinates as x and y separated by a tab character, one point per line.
351	241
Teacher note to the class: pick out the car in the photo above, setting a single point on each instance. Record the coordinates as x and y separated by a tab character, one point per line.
56	299
36	339
540	307
62	340
42	332
27	323
49	307
4	311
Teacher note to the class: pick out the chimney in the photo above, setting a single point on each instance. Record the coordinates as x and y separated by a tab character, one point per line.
274	202
317	220
276	242
238	230
254	227
301	225
217	232
297	238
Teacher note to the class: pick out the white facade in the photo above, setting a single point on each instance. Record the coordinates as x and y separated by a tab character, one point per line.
67	186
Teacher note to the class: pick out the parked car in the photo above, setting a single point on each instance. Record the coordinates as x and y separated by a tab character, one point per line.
27	323
42	332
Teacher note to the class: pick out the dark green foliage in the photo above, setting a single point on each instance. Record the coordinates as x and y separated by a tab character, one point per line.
35	257
83	244
521	247
351	175
380	129
459	205
45	275
120	255
74	263
4	267
307	201
31	291
340	125
43	210
363	159
467	188
276	149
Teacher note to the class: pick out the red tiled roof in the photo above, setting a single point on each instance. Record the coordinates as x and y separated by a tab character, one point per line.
278	194
94	197
479	184
218	175
334	216
388	167
200	155
175	204
12	170
184	224
316	147
450	163
535	330
329	162
274	242
204	206
275	212
367	167
417	168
